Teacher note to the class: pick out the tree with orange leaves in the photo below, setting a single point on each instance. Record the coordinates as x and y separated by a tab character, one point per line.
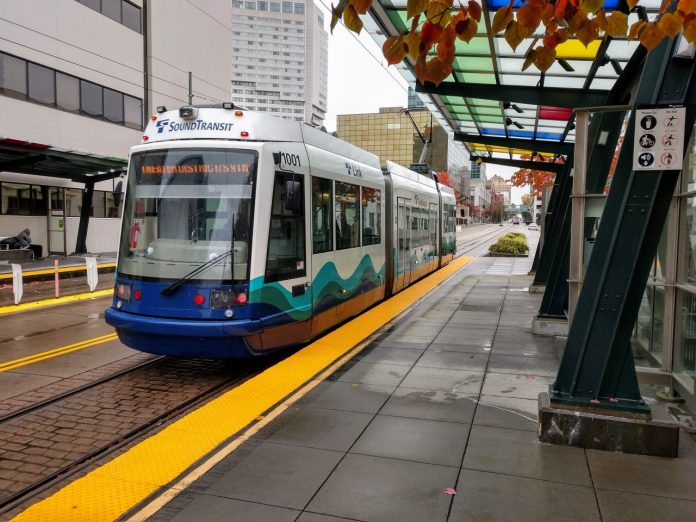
437	25
537	179
444	177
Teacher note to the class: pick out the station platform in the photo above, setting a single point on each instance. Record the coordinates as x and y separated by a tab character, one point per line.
46	263
38	277
437	420
433	417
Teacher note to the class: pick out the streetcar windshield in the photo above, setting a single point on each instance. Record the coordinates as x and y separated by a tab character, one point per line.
185	207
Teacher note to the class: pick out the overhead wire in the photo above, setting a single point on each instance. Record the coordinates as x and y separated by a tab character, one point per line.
396	79
111	75
135	69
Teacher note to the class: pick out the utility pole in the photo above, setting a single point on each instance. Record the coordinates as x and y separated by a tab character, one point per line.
190	88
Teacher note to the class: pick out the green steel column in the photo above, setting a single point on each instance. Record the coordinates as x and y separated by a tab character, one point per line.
603	135
597	369
561	192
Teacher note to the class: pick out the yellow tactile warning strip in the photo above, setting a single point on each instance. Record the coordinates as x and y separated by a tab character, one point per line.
60	270
114	488
32	305
38	357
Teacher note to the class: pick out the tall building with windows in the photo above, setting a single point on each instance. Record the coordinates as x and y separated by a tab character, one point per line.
280	59
503	187
77	80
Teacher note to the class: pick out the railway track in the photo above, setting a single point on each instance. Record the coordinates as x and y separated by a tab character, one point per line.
467	246
49	441
62	435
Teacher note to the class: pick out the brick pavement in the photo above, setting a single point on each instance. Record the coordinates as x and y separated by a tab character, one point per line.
46	440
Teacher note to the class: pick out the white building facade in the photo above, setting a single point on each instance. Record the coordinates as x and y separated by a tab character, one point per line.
82	76
280	59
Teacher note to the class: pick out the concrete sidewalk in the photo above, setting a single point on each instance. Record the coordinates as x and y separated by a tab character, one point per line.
436	420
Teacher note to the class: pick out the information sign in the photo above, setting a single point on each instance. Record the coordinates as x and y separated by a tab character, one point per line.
659	139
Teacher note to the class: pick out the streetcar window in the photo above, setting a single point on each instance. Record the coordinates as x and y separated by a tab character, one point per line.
371	216
347	215
322	201
286	238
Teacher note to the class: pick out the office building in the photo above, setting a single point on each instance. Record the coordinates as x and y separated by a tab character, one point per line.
279	61
501	186
393	136
77	80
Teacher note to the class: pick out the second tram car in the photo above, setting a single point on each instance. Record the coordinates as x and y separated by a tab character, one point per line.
244	233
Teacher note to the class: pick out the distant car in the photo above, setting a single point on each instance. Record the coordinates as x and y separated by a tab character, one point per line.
533	226
515	221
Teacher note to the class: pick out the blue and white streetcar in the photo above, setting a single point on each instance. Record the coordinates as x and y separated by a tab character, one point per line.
244	233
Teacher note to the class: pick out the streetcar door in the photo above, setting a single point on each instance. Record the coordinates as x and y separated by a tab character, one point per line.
403	241
432	239
321	222
286	259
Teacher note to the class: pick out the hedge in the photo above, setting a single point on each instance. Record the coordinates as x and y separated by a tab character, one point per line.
512	243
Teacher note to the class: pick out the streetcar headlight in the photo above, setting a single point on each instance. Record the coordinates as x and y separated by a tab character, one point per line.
123	291
227	298
188	113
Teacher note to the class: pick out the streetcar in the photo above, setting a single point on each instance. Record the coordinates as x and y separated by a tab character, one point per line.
244	233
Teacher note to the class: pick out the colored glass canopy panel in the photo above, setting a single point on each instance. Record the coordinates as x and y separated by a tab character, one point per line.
549	112
491	61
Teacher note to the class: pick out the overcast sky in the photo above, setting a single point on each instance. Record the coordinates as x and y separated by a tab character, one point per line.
358	79
359	82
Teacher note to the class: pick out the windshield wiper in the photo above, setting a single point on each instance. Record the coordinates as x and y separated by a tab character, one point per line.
176	284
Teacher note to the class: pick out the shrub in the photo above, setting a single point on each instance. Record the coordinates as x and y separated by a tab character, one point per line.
513	243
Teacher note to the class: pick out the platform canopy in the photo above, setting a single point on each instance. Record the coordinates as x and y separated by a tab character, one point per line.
45	160
491	104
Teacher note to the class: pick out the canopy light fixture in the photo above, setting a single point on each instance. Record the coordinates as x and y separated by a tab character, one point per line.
508	105
510	121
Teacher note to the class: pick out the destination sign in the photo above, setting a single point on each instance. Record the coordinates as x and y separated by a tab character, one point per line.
220	168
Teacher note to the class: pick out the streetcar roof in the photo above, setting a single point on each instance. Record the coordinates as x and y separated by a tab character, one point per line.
244	126
398	170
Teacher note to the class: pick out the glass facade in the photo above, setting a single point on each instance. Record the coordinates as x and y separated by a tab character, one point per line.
30	81
120	11
391	136
664	337
21	199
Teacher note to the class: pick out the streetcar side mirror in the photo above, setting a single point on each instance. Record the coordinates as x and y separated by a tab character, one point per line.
293	196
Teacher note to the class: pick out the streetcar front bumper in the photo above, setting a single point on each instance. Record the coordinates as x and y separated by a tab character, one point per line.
184	337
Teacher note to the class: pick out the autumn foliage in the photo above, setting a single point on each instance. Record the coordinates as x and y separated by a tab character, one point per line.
444	178
537	179
438	24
